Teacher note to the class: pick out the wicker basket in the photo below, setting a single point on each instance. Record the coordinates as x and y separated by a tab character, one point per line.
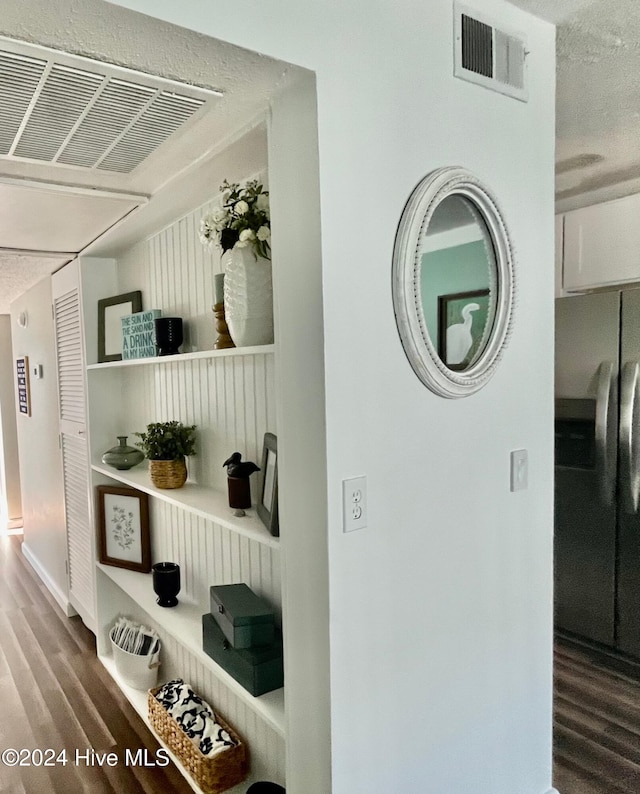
168	473
214	775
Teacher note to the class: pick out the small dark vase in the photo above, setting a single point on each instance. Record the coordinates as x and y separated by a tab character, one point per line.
239	494
123	457
166	583
168	335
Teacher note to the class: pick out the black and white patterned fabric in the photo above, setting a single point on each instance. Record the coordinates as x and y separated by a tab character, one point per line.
195	716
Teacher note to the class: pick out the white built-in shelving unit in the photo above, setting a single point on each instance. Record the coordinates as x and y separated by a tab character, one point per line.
233	397
208	503
230	396
184	624
197	355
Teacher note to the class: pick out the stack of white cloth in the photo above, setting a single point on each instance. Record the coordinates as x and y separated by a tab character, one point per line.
195	716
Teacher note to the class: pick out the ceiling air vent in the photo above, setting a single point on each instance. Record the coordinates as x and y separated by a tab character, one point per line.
63	109
488	55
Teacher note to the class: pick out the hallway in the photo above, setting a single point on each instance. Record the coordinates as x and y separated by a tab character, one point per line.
56	694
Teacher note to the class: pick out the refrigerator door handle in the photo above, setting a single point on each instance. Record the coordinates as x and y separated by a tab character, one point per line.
605	432
629	451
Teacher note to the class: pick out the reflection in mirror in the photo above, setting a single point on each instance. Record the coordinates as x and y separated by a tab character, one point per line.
458	278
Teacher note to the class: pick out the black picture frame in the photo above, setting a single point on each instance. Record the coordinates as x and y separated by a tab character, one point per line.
124	538
110	310
267	505
448	307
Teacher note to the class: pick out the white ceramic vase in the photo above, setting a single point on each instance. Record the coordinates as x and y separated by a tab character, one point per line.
248	297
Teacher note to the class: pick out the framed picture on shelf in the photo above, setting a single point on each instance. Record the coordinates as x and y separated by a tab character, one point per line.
123	528
267	506
462	327
110	314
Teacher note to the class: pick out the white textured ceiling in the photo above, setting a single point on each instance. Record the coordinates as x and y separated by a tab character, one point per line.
16	271
104	32
597	97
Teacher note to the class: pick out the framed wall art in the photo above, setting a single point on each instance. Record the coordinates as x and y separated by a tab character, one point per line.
123	528
462	327
110	314
24	394
267	506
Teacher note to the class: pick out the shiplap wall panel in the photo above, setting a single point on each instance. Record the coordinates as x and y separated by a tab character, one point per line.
231	400
266	747
210	554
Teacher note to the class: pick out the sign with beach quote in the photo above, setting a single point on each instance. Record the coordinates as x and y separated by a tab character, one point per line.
137	334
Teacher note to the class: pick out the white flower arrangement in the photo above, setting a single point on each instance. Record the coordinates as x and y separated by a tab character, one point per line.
243	220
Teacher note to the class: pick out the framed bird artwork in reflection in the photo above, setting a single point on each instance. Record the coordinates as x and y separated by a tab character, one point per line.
462	327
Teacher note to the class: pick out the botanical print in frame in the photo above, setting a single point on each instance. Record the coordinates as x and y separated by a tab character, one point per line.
123	528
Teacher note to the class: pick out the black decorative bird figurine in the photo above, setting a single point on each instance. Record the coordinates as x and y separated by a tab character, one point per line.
238	468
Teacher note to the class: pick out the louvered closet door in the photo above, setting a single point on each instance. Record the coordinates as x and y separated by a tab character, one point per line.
75	460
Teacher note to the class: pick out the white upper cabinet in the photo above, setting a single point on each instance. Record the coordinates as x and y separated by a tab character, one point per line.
602	244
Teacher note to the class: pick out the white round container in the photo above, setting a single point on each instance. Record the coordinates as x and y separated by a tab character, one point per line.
139	672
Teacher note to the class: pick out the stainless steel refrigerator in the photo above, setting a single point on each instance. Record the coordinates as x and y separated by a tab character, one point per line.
597	472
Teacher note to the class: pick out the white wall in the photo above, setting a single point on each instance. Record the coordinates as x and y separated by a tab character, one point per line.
40	462
10	501
441	610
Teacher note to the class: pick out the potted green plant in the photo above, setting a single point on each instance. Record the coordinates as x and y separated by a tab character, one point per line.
166	444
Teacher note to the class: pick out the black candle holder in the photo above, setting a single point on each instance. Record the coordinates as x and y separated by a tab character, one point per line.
168	335
166	583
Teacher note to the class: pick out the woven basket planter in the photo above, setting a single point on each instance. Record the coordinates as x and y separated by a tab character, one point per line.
214	775
168	473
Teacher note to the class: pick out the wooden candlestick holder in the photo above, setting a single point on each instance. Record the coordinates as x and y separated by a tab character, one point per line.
224	340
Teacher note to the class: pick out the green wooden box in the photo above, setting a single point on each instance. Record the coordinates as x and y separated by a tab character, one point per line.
246	619
258	669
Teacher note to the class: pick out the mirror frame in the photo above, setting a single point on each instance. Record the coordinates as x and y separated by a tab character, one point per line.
407	299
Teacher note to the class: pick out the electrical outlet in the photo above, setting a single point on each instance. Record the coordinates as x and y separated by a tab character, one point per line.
354	503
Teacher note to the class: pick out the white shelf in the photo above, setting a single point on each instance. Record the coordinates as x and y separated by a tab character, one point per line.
207	503
184	623
138	700
256	350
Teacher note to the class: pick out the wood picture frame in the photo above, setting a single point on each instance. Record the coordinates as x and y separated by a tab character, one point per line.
110	312
267	505
124	538
23	385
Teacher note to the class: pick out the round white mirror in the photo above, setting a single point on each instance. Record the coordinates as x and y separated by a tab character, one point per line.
453	282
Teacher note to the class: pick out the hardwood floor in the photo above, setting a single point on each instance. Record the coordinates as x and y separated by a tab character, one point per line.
596	724
55	694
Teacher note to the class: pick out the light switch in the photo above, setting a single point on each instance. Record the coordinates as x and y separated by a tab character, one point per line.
519	470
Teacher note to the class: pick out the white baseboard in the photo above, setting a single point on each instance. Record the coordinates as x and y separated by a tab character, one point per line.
60	596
